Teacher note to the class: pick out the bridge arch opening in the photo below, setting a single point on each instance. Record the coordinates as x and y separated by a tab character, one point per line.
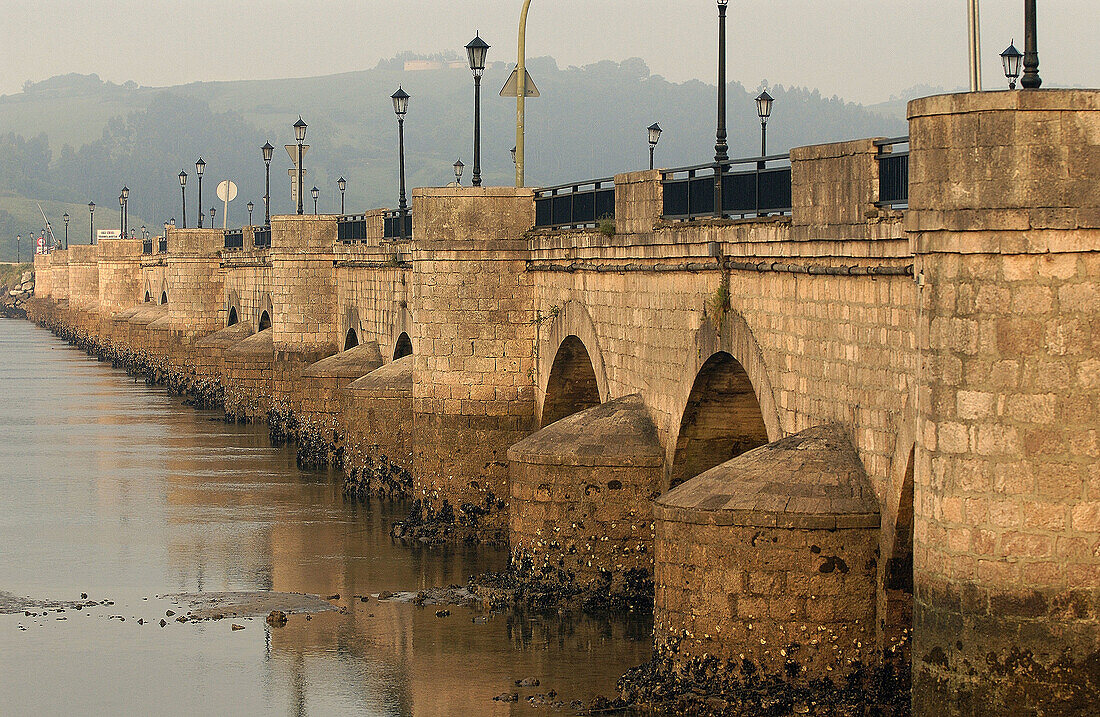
722	419
164	297
572	385
265	321
404	346
351	340
148	297
898	580
233	319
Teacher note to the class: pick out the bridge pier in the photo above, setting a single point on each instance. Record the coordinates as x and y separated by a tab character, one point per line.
1005	221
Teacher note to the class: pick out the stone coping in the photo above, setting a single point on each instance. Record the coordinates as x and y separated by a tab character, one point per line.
350	364
165	323
396	376
126	314
1034	100
616	433
813	479
258	344
224	338
149	313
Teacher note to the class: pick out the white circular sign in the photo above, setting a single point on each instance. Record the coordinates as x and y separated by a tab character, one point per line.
227	191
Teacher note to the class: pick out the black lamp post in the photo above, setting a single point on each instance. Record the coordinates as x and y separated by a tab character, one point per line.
121	217
342	184
763	111
1031	80
315	192
91	223
200	167
654	137
165	236
65	218
213	211
250	206
721	150
400	107
183	195
476	52
1010	59
125	207
300	137
459	166
267	150
144	232
18	243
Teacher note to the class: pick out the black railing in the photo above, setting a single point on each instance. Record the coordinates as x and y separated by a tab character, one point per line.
391	224
351	228
893	172
761	190
234	239
147	246
162	245
261	237
572	206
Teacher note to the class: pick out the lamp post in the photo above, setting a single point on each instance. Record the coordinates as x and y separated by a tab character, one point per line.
763	111
300	137
654	137
1010	59
315	192
91	223
125	207
18	242
267	150
1031	80
513	153
213	211
342	184
165	236
144	232
400	107
458	172
200	167
476	51
183	195
250	206
65	218
121	217
721	150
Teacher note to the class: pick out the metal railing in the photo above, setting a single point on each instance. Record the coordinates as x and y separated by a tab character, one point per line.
351	228
391	224
261	237
147	246
575	205
162	245
690	191
234	239
893	172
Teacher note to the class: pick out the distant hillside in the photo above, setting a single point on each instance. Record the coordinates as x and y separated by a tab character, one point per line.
74	138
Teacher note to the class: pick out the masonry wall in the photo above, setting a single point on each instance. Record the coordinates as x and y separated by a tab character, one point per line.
1005	218
119	275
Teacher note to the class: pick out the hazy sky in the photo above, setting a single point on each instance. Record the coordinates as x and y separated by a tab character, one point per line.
862	50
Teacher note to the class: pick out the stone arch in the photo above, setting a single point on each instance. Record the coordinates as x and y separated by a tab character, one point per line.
571	386
163	292
351	339
163	297
727	398
148	296
233	318
402	347
573	320
896	533
350	328
266	308
265	321
402	327
234	308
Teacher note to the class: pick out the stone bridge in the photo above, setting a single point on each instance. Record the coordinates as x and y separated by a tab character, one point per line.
921	386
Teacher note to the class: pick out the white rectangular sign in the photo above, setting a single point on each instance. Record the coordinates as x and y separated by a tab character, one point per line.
101	234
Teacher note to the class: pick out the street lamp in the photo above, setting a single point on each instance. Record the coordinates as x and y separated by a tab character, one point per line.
721	150
459	166
300	137
342	184
91	223
476	52
125	206
513	153
183	195
250	206
144	232
764	111
1010	59
654	138
166	232
212	213
267	150
18	241
1031	79
200	167
121	217
400	107
65	218
314	193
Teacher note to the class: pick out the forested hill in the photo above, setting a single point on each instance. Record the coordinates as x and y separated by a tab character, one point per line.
74	138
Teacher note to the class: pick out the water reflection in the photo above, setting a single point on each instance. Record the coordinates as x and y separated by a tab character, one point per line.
117	490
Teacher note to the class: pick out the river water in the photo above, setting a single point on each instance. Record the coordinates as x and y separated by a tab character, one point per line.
117	490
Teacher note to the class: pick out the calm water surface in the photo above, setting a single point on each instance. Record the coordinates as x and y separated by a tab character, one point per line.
117	490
